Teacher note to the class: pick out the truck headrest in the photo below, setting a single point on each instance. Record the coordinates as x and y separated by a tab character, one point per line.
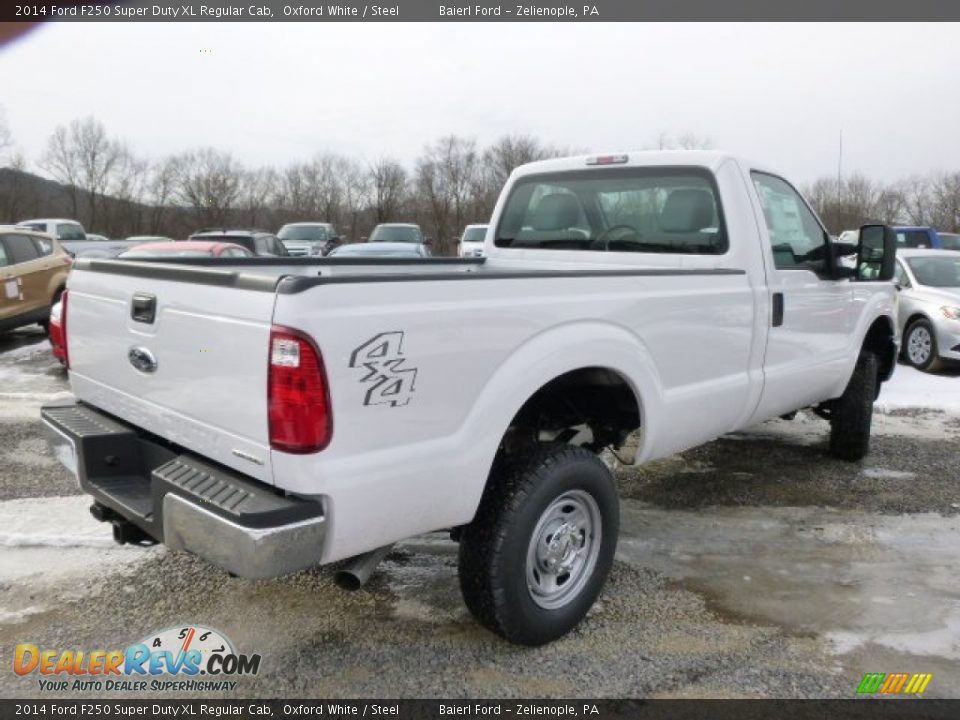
557	211
687	210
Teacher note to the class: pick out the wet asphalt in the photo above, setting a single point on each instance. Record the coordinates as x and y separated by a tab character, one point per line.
754	566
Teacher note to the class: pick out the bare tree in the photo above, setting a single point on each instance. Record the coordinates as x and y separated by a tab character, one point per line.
255	190
499	160
209	181
84	159
128	189
160	189
6	139
944	190
62	162
687	140
446	179
355	187
388	185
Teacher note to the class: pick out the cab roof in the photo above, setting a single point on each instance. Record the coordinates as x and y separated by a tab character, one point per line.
711	159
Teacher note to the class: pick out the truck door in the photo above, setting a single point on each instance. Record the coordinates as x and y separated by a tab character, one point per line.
809	318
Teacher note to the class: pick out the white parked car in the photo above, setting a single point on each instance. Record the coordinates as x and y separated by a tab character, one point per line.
270	417
74	239
471	242
929	308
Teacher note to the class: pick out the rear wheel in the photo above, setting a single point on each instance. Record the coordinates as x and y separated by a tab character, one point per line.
851	414
920	345
539	550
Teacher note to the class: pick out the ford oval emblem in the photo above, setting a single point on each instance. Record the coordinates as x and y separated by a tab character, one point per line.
142	359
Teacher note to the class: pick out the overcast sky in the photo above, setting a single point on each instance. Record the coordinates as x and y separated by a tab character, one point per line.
273	93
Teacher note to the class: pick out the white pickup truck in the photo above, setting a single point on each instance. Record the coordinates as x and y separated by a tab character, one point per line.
276	413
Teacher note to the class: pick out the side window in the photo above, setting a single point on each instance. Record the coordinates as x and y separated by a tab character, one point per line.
260	245
20	249
44	246
3	254
913	239
797	239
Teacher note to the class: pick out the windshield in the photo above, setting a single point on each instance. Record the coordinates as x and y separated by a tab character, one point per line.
649	210
396	233
474	234
308	233
936	271
171	252
951	241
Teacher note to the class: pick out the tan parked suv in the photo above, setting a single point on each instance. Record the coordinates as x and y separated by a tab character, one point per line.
33	274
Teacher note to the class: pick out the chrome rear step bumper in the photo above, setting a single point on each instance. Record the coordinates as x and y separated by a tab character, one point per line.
177	498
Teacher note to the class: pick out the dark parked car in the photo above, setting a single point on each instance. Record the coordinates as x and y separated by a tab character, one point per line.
256	241
398	233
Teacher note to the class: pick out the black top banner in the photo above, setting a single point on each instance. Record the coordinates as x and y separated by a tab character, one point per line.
484	11
489	709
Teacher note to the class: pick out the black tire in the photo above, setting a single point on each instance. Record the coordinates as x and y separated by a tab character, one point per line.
494	547
852	413
928	360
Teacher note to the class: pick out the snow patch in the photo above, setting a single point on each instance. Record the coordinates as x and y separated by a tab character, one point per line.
52	522
910	388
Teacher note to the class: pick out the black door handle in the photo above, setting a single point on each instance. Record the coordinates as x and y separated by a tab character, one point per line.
143	308
777	309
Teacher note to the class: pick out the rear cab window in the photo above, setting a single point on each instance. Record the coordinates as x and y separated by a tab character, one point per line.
637	210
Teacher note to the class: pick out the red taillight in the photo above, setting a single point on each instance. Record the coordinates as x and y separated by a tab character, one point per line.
298	398
58	332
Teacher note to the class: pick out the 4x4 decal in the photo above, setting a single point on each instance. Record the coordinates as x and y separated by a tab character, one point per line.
391	383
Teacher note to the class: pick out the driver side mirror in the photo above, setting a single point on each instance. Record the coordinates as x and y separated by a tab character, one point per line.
428	240
876	253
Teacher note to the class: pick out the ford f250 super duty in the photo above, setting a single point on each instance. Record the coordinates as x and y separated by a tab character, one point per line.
276	413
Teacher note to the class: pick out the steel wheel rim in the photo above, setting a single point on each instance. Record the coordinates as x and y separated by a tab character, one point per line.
919	345
563	549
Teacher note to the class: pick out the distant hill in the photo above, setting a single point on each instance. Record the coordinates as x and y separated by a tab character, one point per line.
25	195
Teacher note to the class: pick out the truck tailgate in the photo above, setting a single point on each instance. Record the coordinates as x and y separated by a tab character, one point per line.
195	375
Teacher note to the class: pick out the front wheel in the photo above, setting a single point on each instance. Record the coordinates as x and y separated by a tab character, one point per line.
538	552
852	412
920	345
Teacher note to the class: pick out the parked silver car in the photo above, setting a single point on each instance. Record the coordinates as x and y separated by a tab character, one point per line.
929	314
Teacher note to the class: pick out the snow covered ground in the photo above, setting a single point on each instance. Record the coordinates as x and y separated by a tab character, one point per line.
910	388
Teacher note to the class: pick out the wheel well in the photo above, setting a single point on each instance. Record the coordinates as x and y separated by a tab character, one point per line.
912	319
879	340
594	407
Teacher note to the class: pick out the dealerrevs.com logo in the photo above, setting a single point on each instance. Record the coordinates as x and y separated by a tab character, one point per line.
189	658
